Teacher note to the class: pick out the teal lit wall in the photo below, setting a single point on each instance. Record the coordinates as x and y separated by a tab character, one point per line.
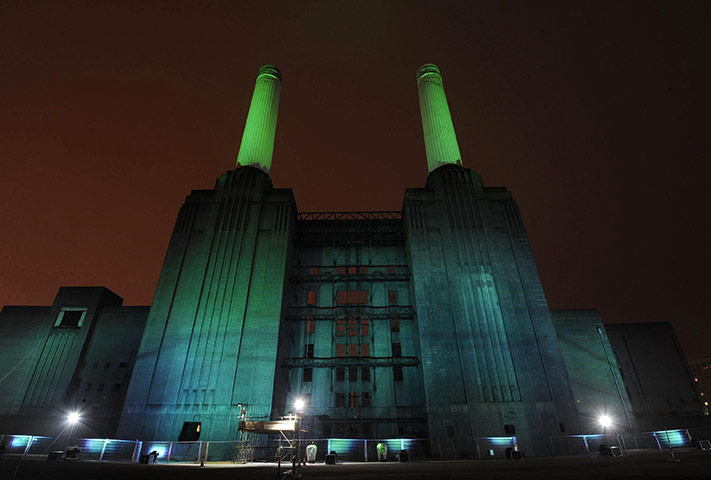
213	329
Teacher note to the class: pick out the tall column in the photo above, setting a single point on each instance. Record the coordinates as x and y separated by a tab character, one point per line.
257	145
440	140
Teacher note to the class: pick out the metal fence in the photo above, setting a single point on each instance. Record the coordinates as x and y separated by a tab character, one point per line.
267	449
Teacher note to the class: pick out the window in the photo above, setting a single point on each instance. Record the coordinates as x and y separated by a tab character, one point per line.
397	373
352	270
365	374
353	400
309	352
352	349
95	364
394	324
88	387
340	374
367	430
310	324
107	364
341	270
391	270
353	374
340	428
351	296
401	429
364	349
397	350
392	297
450	430
123	365
340	400
70	318
341	328
308	374
311	297
313	270
363	327
340	349
352	327
363	270
352	429
511	429
117	387
366	399
101	388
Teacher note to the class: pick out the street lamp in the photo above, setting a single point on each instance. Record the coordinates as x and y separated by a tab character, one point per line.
73	418
605	421
299	404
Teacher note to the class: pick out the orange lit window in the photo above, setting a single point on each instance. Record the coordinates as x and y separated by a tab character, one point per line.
311	298
363	327
352	327
363	270
391	270
340	328
341	270
310	325
352	349
364	349
340	349
351	296
313	270
352	400
351	270
392	297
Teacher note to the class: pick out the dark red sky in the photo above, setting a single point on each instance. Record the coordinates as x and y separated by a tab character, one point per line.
595	115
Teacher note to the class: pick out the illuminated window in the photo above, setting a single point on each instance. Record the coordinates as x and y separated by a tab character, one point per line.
392	297
397	350
344	297
364	349
308	374
353	400
366	399
309	351
353	374
352	327
310	325
313	270
352	349
340	349
351	270
341	270
311	297
70	318
397	373
341	328
394	324
363	270
340	374
391	269
363	327
340	400
365	374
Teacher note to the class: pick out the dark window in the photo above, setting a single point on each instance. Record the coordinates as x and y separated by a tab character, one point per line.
70	318
394	324
311	297
363	270
392	297
88	387
340	429
352	429
107	364
117	387
123	365
367	430
401	429
310	325
353	374
366	399
353	400
450	430
340	374
397	373
101	388
365	374
309	353
308	374
509	430
562	427
96	364
397	350
340	400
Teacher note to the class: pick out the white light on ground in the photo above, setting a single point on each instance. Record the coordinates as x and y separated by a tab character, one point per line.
73	418
605	421
299	404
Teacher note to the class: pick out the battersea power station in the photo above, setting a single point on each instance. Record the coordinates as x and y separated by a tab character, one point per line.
425	323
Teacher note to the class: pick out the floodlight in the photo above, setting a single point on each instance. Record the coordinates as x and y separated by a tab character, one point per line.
299	404
605	421
73	417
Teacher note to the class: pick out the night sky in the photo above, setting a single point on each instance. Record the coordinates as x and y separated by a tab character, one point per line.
595	115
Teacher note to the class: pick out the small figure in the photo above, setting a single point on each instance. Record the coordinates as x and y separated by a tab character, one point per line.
154	456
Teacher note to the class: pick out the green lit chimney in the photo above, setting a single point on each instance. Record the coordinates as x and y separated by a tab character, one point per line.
257	145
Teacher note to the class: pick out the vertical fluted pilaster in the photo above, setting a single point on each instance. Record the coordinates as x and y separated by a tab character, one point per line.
441	144
257	145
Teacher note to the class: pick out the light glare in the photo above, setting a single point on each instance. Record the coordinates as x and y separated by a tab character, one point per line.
73	417
605	421
299	404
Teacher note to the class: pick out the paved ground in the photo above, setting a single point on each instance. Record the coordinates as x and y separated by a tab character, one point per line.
693	465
